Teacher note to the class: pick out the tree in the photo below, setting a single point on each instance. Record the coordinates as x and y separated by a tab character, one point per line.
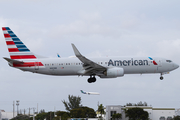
21	117
50	115
176	118
138	104
41	116
74	102
63	115
101	109
116	116
83	112
42	111
137	114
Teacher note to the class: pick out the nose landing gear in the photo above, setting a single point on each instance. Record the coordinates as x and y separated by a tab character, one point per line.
91	79
161	78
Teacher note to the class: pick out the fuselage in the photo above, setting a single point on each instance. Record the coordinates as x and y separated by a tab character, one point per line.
73	66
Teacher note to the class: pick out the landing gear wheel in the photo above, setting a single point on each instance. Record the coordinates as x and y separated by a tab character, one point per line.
91	79
161	78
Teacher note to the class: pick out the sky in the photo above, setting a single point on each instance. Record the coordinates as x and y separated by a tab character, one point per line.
97	28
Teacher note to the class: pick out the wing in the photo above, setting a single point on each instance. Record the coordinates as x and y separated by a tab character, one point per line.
89	66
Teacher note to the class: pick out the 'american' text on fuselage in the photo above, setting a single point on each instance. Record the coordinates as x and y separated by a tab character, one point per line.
127	62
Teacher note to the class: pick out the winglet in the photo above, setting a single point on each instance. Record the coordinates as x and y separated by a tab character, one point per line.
76	52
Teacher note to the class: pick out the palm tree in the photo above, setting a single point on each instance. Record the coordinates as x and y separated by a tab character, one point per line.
101	109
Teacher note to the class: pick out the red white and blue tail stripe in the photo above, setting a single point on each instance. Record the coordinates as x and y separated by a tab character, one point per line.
16	47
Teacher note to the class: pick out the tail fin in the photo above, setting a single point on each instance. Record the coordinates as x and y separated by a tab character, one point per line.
83	92
16	47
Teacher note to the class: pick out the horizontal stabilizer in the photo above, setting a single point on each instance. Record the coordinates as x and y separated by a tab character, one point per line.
13	61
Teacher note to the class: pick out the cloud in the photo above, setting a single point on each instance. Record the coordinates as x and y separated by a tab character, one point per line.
91	17
82	28
129	20
3	23
169	48
87	24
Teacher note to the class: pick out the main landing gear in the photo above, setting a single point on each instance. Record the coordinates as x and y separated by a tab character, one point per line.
161	77
91	79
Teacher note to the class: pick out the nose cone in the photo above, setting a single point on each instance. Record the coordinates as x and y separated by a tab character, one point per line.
176	66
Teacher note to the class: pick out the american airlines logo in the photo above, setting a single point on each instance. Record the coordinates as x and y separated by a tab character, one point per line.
127	62
154	62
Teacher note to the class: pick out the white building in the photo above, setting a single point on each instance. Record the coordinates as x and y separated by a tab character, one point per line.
6	115
157	113
178	112
113	109
154	113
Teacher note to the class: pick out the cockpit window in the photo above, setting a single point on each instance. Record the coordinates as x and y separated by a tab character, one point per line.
168	61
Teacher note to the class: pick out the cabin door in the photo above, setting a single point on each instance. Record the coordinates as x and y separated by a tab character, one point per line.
36	65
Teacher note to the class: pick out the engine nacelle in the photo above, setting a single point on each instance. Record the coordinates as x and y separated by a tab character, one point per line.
113	72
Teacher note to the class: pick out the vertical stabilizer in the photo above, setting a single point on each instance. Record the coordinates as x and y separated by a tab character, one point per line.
83	92
16	47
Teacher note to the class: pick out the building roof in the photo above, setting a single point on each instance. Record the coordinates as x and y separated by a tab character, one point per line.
147	107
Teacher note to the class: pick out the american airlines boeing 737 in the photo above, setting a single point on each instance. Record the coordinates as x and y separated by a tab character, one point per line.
104	67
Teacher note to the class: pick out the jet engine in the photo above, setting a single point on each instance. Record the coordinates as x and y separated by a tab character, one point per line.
113	73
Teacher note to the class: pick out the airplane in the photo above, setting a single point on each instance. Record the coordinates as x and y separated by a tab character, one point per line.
104	67
89	93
